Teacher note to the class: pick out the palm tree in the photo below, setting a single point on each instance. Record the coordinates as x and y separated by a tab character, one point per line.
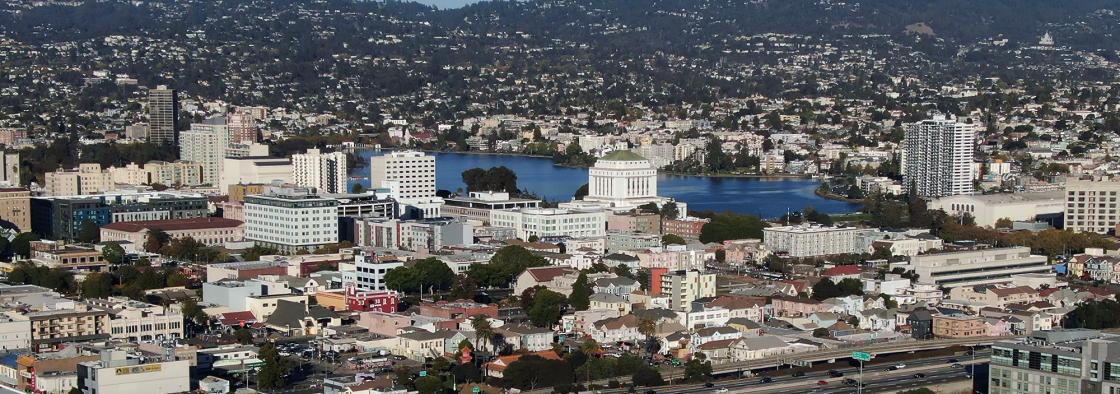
482	329
647	327
590	347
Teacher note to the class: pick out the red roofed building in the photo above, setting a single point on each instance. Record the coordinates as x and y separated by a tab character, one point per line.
497	367
842	272
237	319
540	276
210	231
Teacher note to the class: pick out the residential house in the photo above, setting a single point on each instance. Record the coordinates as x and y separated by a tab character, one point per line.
620	286
540	276
611	302
716	351
624	328
419	344
794	306
496	368
921	324
959	326
763	347
841	272
877	319
995	296
710	334
517	337
752	308
749	328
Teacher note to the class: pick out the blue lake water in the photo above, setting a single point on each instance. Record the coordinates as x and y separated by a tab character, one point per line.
769	198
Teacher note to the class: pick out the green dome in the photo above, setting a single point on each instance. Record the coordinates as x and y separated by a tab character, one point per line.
622	155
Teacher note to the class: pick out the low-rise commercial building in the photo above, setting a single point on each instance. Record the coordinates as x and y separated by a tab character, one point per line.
209	231
291	219
62	217
969	268
959	326
479	205
543	223
140	321
118	373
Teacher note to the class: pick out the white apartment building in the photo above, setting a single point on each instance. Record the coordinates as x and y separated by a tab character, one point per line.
938	157
684	287
547	222
323	171
291	219
976	267
205	143
14	334
139	321
1091	205
370	271
414	172
813	240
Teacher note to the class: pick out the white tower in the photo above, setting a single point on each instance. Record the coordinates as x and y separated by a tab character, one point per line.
324	171
939	155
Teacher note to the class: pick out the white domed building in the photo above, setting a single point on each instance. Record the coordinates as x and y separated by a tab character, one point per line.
622	180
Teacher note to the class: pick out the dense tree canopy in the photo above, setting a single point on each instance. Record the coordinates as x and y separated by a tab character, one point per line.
497	179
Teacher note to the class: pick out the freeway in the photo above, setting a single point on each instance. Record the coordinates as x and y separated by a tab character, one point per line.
937	370
846	353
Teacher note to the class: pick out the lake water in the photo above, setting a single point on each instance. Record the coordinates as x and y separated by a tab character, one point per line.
769	198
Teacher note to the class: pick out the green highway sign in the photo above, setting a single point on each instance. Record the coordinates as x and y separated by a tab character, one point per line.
423	373
476	389
861	356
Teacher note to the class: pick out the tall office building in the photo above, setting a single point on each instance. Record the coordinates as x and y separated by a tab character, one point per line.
1091	205
410	174
291	219
10	173
163	113
206	143
324	171
939	154
242	128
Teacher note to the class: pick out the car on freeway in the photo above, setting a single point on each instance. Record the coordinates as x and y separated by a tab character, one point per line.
849	381
821	383
722	390
835	374
900	366
919	375
952	360
709	385
956	365
892	368
766	380
651	392
798	374
968	375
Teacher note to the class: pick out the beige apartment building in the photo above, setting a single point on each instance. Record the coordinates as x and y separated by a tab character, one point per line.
52	328
87	179
959	326
208	230
15	207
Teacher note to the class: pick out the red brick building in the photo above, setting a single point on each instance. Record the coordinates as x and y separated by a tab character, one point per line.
686	227
457	309
366	301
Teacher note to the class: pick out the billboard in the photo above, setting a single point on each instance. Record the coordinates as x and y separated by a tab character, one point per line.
139	369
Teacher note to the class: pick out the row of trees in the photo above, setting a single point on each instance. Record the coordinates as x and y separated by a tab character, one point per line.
125	281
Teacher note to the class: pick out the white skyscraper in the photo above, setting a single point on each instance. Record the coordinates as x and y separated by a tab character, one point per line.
411	174
324	171
205	143
939	155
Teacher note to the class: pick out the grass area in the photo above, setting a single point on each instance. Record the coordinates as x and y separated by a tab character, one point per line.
851	217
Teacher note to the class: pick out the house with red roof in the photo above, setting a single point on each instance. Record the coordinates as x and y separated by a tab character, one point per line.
539	276
841	272
497	367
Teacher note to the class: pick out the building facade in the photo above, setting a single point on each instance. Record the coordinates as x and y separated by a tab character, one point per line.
291	219
622	179
86	179
413	172
969	268
163	113
15	207
939	155
209	231
324	171
551	222
812	240
479	205
1091	205
684	287
206	143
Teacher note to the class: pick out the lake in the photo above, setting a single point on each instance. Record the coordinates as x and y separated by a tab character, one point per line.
766	197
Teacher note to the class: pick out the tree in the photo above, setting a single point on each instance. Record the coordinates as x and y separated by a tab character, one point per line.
358	188
821	333
582	192
113	253
192	311
89	233
547	308
97	285
157	239
244	336
672	239
849	286
1004	223
530	372
403	377
21	244
464	288
580	298
271	375
429	385
670	211
825	289
483	331
697	370
403	279
434	273
728	226
505	265
498	179
647	377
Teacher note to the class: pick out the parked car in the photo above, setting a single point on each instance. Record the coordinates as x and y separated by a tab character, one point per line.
766	380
